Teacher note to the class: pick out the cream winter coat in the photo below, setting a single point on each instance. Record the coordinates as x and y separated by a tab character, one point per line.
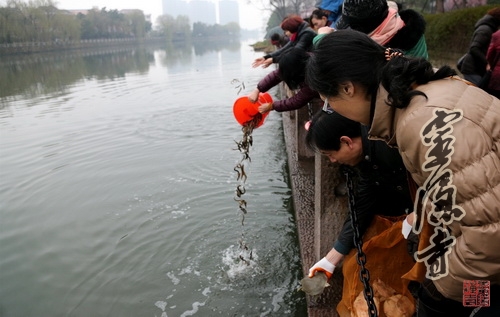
468	145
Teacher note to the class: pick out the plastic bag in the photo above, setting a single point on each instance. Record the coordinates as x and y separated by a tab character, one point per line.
387	259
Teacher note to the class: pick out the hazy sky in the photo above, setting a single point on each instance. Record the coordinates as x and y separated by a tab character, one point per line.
250	16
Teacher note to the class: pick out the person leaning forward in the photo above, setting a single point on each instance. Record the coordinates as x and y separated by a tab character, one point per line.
381	179
300	34
447	132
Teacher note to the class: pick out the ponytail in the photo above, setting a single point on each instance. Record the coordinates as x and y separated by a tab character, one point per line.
400	75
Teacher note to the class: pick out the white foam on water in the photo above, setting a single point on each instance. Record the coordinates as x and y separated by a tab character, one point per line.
206	291
193	311
189	270
237	266
162	305
266	313
278	298
173	278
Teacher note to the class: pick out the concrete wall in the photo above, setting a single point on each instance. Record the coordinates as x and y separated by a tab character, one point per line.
319	211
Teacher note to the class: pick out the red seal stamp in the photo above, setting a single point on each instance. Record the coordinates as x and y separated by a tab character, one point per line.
476	293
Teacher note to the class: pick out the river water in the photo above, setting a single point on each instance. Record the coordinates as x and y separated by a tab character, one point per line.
117	188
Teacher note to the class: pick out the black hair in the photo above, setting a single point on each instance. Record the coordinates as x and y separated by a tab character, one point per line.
292	67
349	55
318	14
326	129
275	37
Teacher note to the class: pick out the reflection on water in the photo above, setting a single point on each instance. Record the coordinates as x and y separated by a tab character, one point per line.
34	75
203	46
39	74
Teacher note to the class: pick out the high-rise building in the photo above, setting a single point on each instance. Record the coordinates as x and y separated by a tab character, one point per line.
175	7
228	12
203	11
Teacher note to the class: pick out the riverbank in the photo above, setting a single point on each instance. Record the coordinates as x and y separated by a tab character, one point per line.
57	46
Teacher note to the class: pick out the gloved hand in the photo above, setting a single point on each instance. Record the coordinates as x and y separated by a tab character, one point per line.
406	228
410	236
322	265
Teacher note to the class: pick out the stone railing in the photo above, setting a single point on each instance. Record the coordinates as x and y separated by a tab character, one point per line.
319	211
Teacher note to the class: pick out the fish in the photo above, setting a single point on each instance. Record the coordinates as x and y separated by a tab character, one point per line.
240	190
314	285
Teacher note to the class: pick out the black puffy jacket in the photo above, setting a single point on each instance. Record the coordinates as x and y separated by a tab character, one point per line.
474	63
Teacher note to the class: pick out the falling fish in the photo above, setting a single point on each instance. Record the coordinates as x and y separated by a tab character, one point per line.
244	148
314	285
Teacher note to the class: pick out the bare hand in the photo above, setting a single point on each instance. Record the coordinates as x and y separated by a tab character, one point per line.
265	108
254	95
267	62
258	61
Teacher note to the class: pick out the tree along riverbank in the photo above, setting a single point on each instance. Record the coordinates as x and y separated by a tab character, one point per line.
40	47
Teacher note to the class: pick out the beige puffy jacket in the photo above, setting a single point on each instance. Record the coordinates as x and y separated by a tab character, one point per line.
474	161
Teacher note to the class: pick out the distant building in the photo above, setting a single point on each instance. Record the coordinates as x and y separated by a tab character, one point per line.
175	8
228	12
203	10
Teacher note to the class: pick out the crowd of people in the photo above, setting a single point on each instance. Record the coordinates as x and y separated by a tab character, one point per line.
423	142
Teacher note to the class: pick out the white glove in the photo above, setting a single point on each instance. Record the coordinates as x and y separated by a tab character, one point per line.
406	228
322	265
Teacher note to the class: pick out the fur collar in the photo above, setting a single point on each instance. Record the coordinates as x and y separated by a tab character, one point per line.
407	37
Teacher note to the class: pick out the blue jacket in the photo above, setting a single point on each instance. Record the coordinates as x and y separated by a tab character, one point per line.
335	8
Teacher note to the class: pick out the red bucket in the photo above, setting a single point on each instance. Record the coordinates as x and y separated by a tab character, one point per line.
244	110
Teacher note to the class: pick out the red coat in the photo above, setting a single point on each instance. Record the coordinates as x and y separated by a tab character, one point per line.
493	57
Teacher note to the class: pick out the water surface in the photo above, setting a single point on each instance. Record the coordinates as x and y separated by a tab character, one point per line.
117	187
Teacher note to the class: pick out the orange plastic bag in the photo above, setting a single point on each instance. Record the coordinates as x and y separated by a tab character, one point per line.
387	259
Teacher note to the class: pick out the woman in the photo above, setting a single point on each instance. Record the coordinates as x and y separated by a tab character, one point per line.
319	19
332	9
291	70
448	135
473	66
381	184
300	34
386	24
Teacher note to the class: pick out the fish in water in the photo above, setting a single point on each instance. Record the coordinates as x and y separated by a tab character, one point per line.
314	285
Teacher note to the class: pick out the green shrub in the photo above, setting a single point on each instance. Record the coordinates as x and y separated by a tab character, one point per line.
452	31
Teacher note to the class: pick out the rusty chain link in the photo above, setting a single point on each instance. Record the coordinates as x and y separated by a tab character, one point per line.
364	274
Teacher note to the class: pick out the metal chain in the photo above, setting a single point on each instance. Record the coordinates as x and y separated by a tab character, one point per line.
364	274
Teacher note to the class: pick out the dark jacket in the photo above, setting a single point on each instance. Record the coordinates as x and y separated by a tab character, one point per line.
298	100
410	38
493	57
474	62
304	38
381	188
